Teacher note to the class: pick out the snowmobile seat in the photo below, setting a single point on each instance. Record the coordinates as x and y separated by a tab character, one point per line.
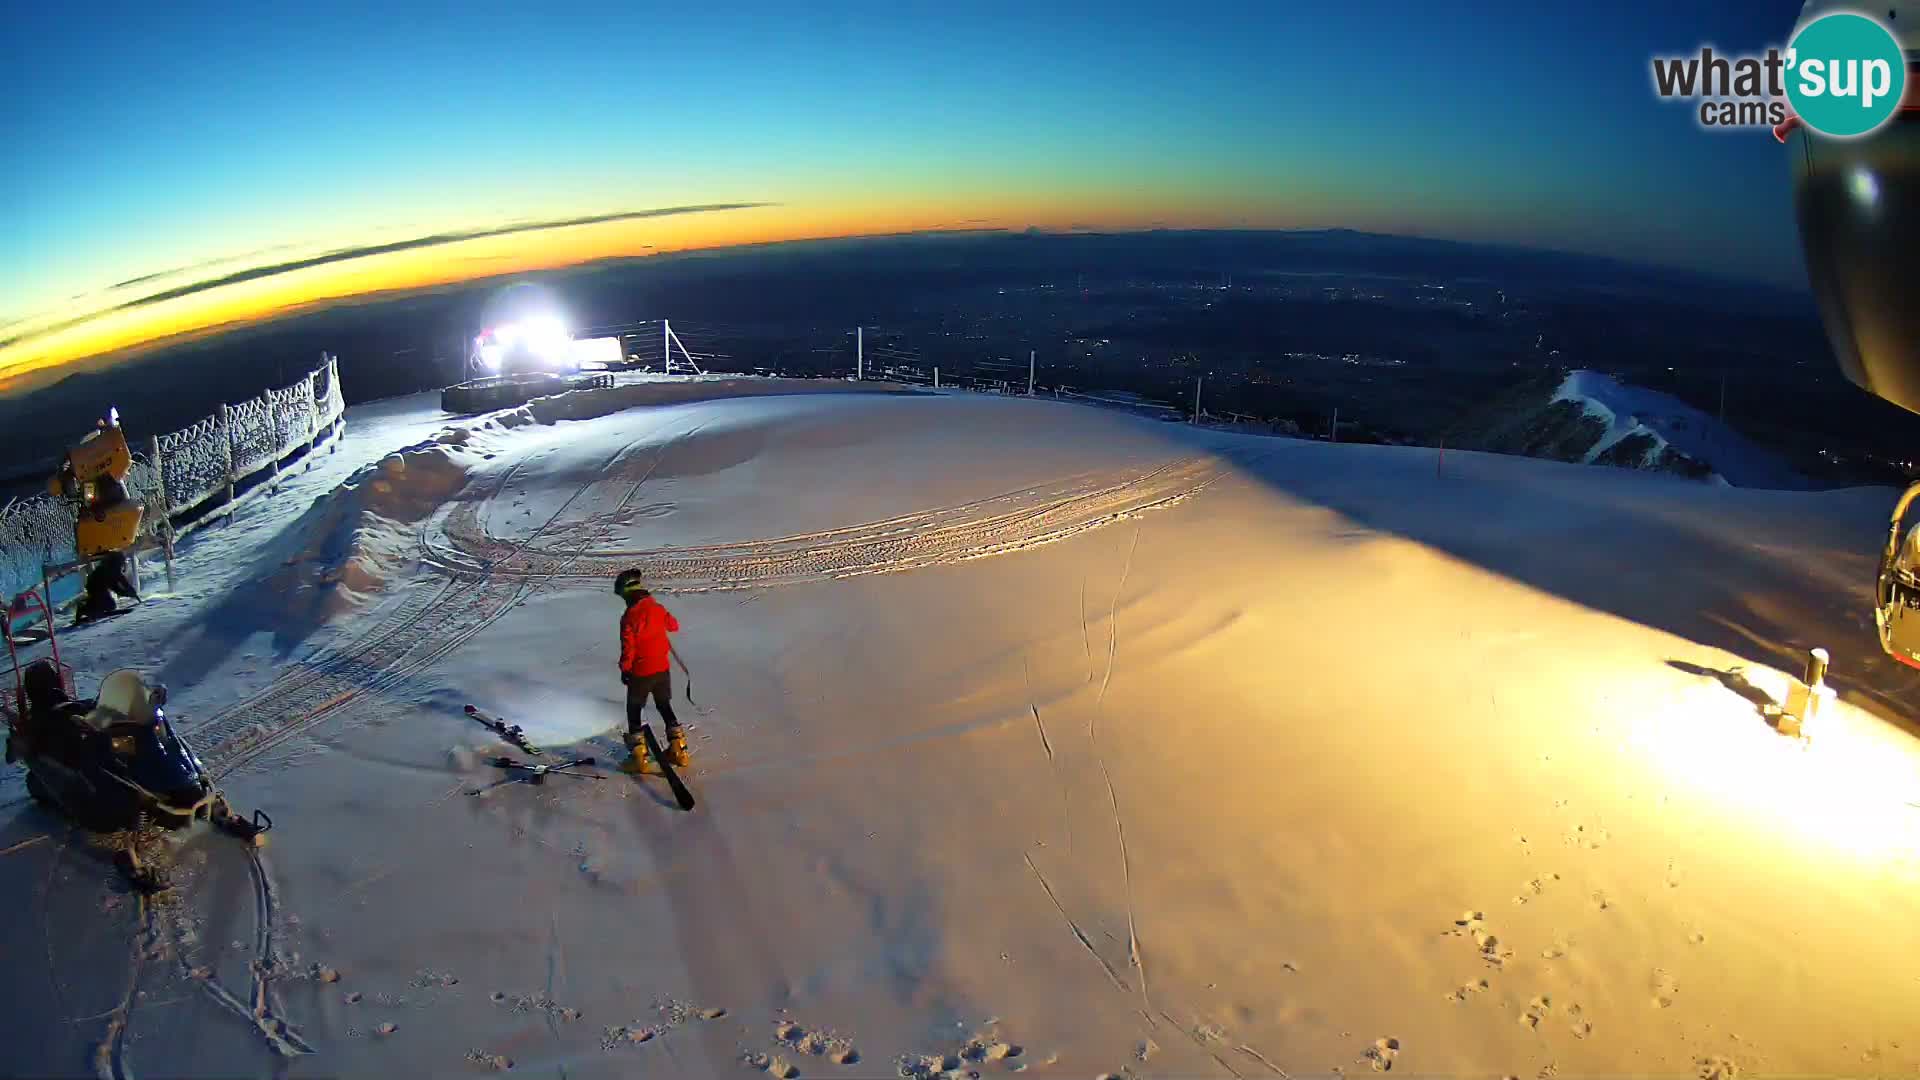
51	720
44	689
124	699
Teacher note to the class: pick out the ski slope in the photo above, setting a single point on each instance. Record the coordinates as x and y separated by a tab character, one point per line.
1028	738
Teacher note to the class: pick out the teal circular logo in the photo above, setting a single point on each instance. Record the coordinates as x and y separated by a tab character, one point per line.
1846	74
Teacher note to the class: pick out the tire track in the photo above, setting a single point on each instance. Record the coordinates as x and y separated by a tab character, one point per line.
483	576
427	626
930	538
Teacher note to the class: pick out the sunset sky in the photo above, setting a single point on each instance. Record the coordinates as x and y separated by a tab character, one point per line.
154	148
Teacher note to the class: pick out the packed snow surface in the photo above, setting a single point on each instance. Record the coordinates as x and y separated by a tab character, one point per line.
1028	738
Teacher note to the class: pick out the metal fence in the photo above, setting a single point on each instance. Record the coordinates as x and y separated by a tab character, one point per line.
180	475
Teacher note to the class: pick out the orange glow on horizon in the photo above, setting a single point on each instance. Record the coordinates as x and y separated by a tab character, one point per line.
116	335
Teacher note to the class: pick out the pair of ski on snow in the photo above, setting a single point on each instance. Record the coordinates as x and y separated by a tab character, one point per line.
537	774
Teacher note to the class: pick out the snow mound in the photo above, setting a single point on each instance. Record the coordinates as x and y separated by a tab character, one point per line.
363	534
1646	429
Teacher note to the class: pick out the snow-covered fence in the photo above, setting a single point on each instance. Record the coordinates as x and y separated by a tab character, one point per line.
177	475
219	453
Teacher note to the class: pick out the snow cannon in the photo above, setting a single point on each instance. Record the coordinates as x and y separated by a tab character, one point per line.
94	475
1857	201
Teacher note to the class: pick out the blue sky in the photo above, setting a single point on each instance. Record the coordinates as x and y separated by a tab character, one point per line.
155	138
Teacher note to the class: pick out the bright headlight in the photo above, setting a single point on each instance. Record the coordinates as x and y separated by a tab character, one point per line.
490	355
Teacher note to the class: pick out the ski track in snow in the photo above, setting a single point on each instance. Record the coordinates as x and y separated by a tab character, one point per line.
1066	809
485	577
1085	942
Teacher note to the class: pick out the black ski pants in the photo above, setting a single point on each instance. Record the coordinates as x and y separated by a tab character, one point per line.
658	686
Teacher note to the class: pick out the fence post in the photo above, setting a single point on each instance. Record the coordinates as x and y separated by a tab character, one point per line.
936	377
166	511
1030	353
313	415
333	387
226	439
273	422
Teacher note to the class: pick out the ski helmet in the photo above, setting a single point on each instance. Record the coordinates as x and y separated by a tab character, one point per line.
629	583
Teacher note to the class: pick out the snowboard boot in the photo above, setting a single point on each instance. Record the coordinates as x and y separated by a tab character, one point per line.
676	748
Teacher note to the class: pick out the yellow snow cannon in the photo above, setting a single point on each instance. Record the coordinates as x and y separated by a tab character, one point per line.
94	474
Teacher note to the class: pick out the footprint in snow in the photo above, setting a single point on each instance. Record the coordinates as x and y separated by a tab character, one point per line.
982	1049
925	1066
1716	1068
627	1036
484	1059
1577	1020
772	1065
1665	986
817	1043
1537	1010
1380	1055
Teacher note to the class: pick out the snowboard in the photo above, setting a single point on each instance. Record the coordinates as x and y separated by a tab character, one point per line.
680	792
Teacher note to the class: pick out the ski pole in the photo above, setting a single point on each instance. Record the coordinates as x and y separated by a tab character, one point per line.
675	653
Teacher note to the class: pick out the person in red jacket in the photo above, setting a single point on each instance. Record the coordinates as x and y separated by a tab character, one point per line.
644	649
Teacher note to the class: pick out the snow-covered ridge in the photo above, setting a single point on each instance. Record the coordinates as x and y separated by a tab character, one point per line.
1647	429
1594	419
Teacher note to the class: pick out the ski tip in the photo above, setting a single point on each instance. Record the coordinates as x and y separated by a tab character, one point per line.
471	709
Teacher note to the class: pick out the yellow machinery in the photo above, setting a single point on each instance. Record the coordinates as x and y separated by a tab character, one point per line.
94	475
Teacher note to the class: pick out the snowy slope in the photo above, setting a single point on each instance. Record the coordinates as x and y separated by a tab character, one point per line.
1029	737
1641	425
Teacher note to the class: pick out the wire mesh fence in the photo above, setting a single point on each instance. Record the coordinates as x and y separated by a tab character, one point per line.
210	458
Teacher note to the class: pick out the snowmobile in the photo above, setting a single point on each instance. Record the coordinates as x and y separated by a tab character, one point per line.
114	763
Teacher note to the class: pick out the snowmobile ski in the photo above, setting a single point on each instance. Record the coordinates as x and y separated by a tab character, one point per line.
680	792
509	732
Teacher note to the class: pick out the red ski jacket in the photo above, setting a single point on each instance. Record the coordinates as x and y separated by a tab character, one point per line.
643	637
